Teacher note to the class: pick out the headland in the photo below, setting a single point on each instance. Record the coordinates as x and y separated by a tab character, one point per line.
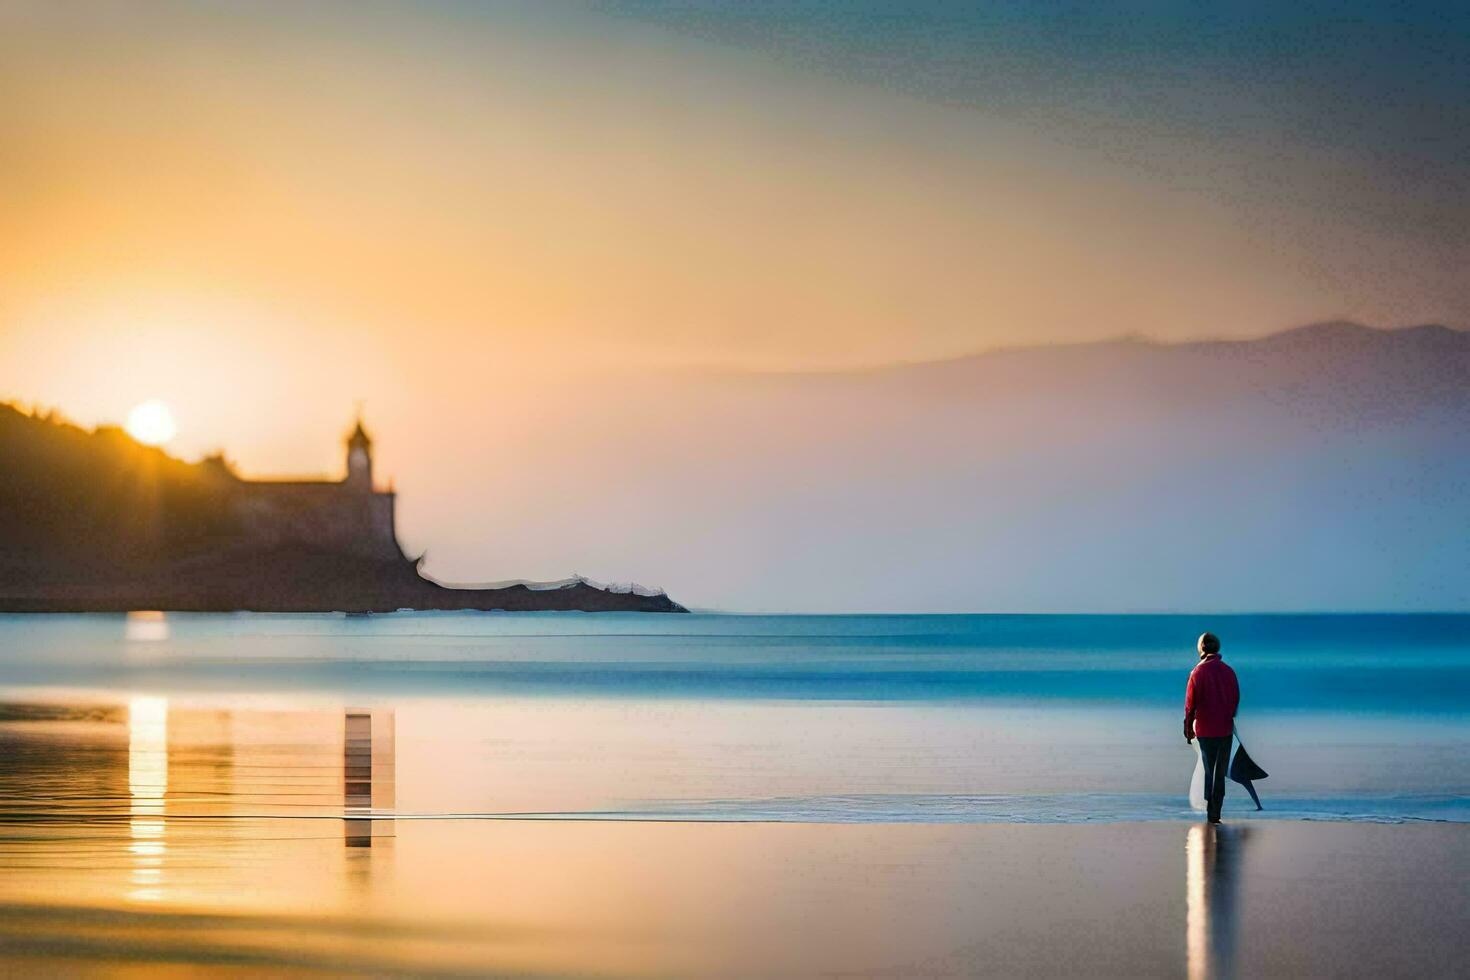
95	522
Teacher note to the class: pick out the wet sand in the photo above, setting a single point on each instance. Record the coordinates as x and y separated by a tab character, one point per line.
738	900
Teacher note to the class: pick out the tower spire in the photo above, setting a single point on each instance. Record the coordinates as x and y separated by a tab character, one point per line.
359	455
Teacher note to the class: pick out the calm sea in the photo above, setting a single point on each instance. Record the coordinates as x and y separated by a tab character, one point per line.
711	717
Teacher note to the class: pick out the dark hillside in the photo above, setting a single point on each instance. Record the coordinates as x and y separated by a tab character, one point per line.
79	499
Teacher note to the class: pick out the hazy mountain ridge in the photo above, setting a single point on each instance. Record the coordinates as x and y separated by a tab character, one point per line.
1335	372
1432	352
1310	469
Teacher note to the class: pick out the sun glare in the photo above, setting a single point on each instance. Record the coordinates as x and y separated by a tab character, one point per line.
151	423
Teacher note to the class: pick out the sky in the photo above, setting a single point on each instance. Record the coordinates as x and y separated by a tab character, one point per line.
455	214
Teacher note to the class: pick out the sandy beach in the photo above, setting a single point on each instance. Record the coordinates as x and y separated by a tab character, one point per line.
586	898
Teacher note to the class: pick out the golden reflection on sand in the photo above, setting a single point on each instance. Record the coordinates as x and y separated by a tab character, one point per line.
147	787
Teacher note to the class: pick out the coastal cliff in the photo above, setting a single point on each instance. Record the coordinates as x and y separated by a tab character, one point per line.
94	522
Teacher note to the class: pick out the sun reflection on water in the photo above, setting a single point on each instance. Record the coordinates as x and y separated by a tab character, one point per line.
147	787
146	626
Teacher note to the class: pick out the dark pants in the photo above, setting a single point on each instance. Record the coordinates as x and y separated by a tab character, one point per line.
1216	755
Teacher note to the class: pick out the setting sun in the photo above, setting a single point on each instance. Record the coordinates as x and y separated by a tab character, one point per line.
151	423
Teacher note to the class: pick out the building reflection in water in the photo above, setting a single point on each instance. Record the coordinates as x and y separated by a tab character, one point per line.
147	788
367	776
1214	858
210	762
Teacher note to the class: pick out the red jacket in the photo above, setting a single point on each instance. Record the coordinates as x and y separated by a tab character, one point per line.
1211	698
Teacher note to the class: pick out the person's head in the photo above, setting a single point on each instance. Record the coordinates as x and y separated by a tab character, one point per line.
1209	645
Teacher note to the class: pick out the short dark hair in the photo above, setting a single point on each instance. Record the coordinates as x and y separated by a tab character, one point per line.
1209	643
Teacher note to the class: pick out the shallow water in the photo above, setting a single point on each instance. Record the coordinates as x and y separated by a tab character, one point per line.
826	719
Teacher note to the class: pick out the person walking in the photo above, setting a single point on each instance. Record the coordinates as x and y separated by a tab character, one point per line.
1210	702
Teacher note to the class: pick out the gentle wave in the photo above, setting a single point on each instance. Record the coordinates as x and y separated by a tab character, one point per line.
875	808
1057	808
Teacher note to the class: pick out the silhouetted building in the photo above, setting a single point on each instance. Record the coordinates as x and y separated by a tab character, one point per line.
349	516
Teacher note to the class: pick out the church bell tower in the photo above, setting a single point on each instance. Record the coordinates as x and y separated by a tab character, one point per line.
359	459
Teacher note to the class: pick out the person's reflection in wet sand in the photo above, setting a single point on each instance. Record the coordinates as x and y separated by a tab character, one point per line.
1214	857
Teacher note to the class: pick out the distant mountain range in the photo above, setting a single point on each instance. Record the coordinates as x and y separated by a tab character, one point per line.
1325	467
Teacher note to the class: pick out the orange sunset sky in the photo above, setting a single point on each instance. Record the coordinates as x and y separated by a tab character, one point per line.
457	214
